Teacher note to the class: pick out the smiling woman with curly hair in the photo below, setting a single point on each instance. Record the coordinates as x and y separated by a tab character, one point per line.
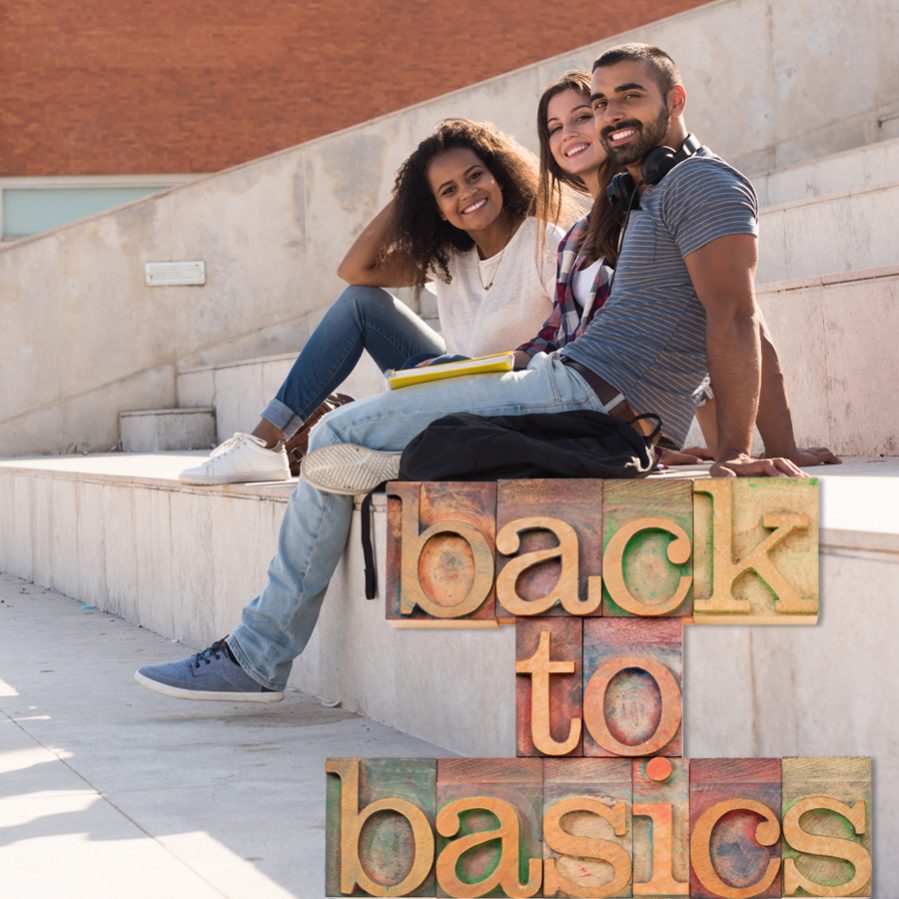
462	215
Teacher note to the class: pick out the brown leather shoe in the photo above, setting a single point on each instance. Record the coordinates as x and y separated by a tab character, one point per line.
298	444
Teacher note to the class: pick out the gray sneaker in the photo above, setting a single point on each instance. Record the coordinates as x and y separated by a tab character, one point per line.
348	468
209	674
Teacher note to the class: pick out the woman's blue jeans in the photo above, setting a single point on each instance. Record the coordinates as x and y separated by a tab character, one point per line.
362	318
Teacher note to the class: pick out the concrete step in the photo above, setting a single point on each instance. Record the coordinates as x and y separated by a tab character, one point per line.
239	391
860	168
844	232
161	430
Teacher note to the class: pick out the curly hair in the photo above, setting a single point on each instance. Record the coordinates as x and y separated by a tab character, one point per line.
417	230
604	219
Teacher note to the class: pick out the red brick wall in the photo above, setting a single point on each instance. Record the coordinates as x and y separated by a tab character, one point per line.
138	86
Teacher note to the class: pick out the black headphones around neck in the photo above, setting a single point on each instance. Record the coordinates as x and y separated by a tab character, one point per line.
622	192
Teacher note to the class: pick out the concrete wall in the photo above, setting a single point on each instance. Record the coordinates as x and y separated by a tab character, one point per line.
83	339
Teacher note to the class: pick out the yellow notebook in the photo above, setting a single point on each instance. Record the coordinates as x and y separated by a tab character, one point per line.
406	377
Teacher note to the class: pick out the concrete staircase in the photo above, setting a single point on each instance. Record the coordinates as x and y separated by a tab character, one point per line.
119	532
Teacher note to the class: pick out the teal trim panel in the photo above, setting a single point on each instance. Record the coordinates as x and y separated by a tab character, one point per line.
30	211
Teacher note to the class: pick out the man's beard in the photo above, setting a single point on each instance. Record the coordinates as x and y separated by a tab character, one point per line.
638	148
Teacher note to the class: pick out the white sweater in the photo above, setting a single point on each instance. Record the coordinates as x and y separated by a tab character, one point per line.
474	321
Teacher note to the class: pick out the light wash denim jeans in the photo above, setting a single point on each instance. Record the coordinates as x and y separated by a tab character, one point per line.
277	624
362	318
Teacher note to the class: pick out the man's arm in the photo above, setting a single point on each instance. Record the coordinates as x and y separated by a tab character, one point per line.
723	275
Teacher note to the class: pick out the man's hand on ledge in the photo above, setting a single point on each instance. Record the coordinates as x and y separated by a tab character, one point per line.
805	456
745	466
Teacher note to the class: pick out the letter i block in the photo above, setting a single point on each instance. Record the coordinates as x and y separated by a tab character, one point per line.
440	550
379	827
661	827
827	826
647	548
633	672
587	827
735	827
488	823
548	686
755	551
549	564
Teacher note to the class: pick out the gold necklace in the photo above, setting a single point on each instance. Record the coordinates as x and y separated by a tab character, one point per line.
499	261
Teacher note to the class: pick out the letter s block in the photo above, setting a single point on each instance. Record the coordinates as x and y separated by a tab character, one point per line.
827	826
440	550
587	827
755	551
379	829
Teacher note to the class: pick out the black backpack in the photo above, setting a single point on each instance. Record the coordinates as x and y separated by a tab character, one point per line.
467	447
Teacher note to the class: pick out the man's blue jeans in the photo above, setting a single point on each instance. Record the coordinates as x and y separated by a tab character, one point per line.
277	624
362	318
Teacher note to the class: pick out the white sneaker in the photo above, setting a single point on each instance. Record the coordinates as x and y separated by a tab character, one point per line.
348	469
239	460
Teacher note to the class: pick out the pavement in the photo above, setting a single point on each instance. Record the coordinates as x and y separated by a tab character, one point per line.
108	790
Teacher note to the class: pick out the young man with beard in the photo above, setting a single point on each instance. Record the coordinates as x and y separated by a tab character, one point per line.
682	306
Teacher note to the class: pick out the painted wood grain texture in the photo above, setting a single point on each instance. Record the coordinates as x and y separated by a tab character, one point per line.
587	827
441	548
661	827
490	844
548	686
755	551
647	548
380	817
553	569
734	828
827	850
633	682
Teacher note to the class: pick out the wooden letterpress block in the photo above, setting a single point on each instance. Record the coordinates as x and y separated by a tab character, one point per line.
488	823
647	548
548	686
440	552
587	827
735	827
633	671
380	827
827	826
661	827
755	551
548	554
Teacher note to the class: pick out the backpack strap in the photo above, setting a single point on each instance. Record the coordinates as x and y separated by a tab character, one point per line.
652	416
368	550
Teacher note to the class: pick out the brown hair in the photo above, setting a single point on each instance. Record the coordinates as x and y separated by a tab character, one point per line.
417	230
552	204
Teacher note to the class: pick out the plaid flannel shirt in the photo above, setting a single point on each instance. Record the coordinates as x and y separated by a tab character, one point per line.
566	320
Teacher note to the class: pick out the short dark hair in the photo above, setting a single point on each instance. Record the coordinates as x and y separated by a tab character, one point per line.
664	69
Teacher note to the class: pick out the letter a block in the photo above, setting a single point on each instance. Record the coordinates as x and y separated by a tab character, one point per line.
735	828
488	823
548	552
587	827
827	826
379	828
440	550
661	814
756	551
648	548
633	670
549	686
